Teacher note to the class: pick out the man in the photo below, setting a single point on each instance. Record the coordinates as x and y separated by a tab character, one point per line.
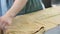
19	6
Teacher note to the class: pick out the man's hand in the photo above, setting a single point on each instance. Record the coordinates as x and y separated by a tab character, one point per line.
5	21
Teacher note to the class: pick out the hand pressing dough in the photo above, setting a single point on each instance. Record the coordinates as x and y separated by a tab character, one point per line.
30	23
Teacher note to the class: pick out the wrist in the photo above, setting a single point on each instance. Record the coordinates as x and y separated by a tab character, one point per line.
9	15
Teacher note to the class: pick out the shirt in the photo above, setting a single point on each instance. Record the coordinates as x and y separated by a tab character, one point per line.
31	6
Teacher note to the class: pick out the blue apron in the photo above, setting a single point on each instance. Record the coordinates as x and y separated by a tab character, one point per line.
0	9
4	6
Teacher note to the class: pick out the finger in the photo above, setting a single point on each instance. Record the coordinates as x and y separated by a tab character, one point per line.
9	22
1	22
6	24
3	25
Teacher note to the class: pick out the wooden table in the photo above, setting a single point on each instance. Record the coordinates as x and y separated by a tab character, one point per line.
33	22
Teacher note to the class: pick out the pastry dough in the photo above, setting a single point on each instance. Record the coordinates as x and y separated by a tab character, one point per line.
30	23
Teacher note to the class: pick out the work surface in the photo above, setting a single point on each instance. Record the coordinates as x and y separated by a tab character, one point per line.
35	23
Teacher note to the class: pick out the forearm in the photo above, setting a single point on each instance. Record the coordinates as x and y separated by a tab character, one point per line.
16	7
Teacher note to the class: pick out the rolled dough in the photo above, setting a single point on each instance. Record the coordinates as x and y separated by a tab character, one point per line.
30	23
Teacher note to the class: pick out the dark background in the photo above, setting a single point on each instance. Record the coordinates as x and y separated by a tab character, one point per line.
47	3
